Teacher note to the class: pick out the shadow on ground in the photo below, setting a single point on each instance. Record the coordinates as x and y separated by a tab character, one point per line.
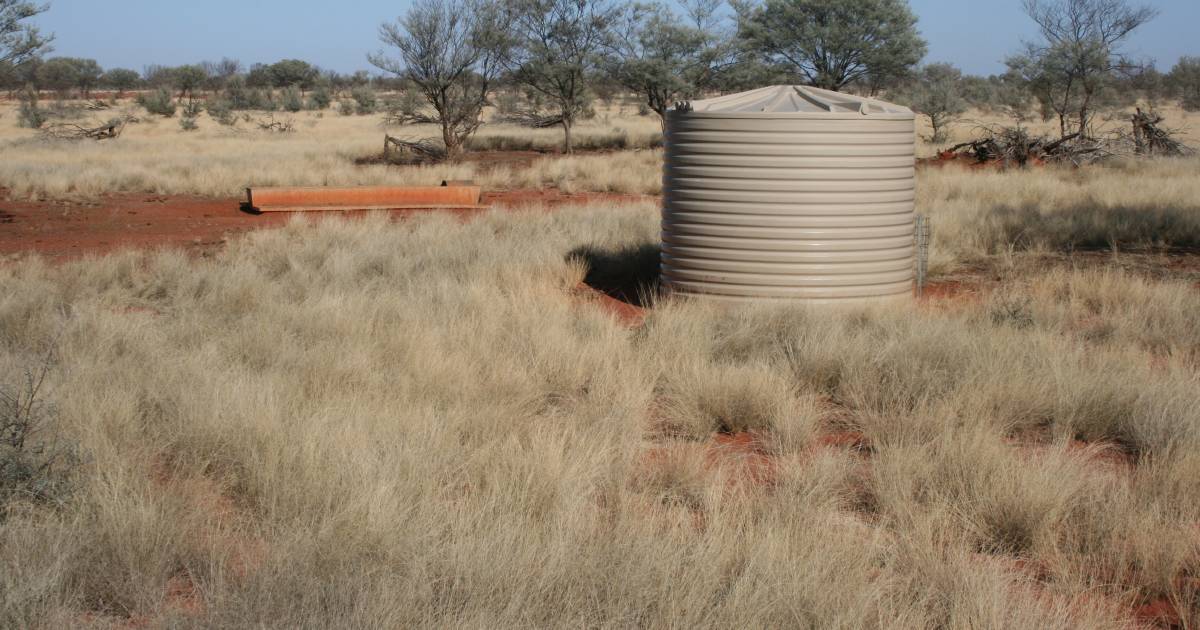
628	274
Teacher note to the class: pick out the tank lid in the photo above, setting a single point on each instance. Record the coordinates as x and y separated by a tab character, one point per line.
789	99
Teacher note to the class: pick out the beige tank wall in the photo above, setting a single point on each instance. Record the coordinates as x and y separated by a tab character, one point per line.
791	206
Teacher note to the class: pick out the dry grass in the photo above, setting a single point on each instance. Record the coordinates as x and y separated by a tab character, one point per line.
375	425
156	156
976	216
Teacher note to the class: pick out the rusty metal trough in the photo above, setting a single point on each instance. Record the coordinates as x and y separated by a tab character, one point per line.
448	196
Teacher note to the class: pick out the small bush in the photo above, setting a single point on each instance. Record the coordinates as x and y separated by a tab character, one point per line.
187	123
347	108
32	464
320	98
30	114
221	111
365	100
292	100
192	109
158	102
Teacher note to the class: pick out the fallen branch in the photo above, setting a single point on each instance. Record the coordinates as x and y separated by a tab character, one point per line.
1150	139
532	119
277	126
71	131
399	151
1014	145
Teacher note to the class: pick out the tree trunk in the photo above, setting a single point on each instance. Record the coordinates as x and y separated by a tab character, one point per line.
566	123
454	147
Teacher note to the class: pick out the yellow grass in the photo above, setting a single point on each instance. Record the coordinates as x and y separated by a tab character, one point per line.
369	424
416	425
156	156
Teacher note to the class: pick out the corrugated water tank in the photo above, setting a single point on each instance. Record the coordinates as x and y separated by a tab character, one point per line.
789	192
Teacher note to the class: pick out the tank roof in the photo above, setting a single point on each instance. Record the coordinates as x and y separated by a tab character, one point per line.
796	99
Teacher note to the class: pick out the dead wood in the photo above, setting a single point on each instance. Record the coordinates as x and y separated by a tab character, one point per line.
400	151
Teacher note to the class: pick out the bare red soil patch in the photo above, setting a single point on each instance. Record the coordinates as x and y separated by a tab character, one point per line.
743	457
627	314
962	160
64	230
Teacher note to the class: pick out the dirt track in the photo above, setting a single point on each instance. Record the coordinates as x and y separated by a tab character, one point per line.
63	230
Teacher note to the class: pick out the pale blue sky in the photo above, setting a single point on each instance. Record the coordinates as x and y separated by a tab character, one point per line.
973	34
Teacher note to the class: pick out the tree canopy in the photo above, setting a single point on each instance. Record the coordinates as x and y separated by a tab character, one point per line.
833	43
20	40
663	58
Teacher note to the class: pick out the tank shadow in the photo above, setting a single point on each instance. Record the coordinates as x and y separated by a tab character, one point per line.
628	274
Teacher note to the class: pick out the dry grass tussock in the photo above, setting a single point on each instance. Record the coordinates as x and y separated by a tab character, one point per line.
1132	204
156	156
378	425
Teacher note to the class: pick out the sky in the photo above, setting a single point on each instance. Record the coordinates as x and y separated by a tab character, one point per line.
975	35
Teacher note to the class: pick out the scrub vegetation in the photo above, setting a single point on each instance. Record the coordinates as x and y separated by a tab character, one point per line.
372	424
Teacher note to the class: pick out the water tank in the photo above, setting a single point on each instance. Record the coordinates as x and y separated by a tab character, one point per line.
789	192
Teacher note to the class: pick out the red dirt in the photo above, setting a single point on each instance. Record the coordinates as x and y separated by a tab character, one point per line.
743	457
1160	613
852	440
960	160
946	292
65	230
627	314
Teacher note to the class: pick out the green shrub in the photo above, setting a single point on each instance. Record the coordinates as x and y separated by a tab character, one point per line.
347	108
158	102
187	123
365	100
292	100
221	111
320	98
30	114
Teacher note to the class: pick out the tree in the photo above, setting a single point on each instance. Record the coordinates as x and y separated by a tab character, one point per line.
555	51
87	75
188	79
292	73
451	50
832	43
259	76
938	94
59	74
121	80
664	60
20	40
1184	81
220	72
1071	72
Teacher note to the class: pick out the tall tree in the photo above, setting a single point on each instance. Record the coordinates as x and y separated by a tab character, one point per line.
1072	69
451	50
60	74
87	75
20	40
832	43
121	80
188	79
293	73
664	59
555	51
220	72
